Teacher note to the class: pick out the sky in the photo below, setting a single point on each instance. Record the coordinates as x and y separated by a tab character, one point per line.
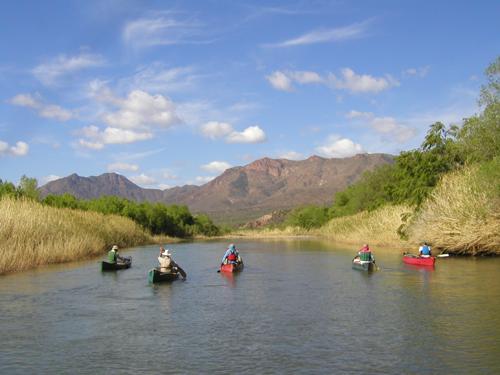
169	93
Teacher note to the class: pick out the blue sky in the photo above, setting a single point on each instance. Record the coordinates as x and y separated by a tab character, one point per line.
170	93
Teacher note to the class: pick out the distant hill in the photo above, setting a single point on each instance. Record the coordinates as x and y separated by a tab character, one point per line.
239	194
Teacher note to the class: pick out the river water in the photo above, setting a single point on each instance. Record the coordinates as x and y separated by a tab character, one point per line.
297	308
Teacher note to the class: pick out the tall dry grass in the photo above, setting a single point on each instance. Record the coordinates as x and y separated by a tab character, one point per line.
462	215
375	227
32	234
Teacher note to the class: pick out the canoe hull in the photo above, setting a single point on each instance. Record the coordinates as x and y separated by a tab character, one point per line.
156	276
363	266
419	261
231	268
107	266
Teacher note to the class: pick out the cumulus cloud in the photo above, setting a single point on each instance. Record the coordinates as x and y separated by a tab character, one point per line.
355	30
44	110
216	166
348	80
119	166
361	83
215	129
163	28
252	134
51	71
142	110
280	81
96	138
338	147
143	179
291	155
19	149
387	126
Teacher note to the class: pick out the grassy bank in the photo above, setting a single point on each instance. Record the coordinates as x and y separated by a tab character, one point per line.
32	234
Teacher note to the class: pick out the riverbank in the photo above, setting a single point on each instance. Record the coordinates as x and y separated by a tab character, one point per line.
32	234
461	217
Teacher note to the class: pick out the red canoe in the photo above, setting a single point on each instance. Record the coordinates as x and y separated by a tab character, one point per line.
418	261
231	267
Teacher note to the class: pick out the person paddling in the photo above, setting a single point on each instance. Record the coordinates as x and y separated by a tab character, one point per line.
231	256
167	264
113	256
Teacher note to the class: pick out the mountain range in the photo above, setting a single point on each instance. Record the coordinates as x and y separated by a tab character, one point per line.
241	193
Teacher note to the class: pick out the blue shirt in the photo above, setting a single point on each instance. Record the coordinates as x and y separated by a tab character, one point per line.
425	250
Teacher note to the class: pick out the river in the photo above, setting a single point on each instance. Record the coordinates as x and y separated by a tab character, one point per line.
297	308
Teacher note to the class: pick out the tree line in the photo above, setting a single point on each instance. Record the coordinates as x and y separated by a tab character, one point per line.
157	218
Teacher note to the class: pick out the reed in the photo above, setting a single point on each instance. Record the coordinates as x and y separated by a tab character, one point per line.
32	234
462	215
378	227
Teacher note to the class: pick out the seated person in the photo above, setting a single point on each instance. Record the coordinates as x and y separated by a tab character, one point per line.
425	250
365	254
231	255
165	260
113	256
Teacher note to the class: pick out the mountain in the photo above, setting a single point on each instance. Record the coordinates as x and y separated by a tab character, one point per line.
242	193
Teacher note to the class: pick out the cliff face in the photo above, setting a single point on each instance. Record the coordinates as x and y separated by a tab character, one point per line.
240	193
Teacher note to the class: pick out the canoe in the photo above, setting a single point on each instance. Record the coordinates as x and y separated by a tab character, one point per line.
156	276
231	267
363	265
418	261
108	266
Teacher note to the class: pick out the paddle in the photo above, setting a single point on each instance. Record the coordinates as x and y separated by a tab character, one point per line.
182	272
442	255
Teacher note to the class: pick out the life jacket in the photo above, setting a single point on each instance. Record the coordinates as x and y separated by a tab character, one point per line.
112	256
232	257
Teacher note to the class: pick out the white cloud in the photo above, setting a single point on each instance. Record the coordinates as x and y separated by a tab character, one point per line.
51	177
252	134
306	77
291	155
143	179
215	129
142	110
388	126
350	81
169	176
216	166
96	139
55	112
203	179
119	166
161	28
25	100
338	147
280	81
50	72
44	110
353	31
19	149
362	83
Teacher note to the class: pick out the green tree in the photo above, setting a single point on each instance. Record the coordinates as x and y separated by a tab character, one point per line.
28	187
